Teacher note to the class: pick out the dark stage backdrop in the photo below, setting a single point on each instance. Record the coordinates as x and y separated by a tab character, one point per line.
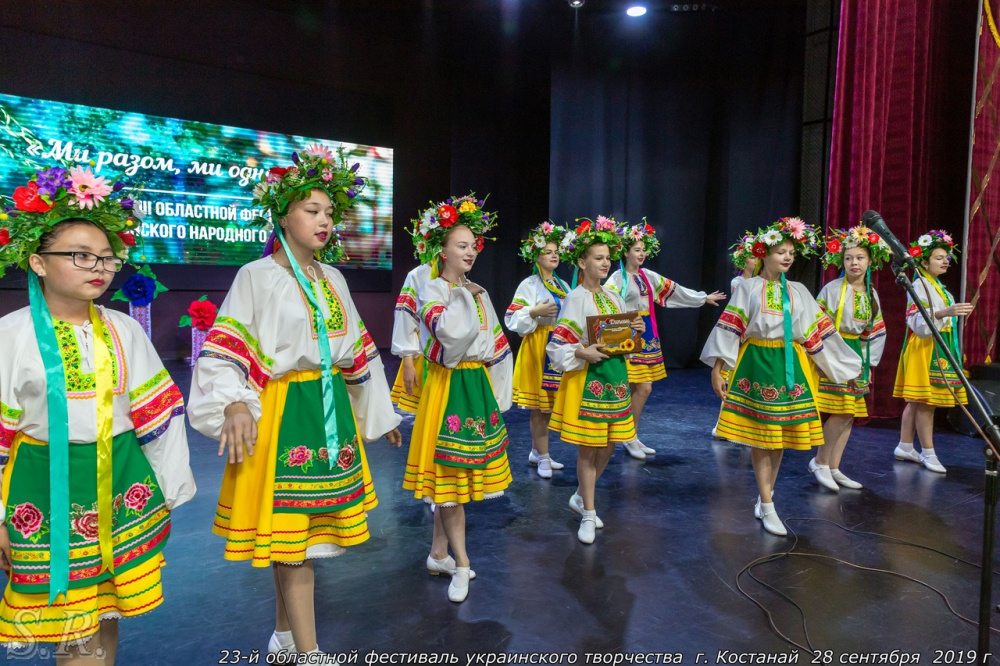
692	120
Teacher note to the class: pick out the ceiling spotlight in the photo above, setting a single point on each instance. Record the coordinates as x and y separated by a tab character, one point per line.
636	10
575	4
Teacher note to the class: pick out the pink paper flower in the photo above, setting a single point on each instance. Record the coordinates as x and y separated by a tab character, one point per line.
604	224
546	228
797	228
318	150
88	188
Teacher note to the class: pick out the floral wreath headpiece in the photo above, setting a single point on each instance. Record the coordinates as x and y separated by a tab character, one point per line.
318	168
803	236
539	237
742	250
430	228
922	248
56	194
588	232
643	233
839	241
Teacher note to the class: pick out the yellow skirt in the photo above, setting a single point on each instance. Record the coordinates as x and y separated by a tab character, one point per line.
638	374
440	484
528	391
402	399
571	428
844	404
244	515
771	433
917	382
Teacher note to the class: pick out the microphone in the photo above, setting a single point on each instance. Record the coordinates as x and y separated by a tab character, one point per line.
874	221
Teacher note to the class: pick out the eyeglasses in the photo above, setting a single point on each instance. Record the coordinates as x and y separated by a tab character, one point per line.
88	260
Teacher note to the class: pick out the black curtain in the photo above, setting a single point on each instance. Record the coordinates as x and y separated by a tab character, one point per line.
690	119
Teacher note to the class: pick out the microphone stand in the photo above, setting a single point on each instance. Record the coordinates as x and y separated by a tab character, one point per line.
992	486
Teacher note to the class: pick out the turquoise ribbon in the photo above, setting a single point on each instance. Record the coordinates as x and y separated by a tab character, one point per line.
325	356
55	380
786	307
576	272
625	279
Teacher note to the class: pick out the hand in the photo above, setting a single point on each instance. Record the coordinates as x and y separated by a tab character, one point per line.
544	309
852	384
638	324
4	549
719	384
239	430
957	310
394	437
591	354
715	298
473	288
409	375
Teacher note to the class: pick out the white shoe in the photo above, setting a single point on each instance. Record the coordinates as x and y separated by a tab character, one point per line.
458	589
586	532
773	524
822	474
445	567
635	449
544	468
576	506
645	449
844	480
283	651
534	458
906	456
931	462
756	507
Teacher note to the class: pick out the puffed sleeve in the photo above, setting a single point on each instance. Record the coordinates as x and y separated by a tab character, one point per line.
915	320
501	365
158	416
364	373
518	318
727	335
875	335
10	407
569	335
668	293
819	337
231	367
405	322
451	319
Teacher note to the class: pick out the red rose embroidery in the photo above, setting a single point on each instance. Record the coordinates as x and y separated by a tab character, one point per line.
86	526
481	428
447	215
621	391
299	456
796	391
28	199
759	250
137	496
346	457
27	519
744	384
116	505
323	454
596	387
769	393
203	314
494	419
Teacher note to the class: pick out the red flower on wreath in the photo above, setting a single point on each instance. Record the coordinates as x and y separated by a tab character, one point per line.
583	228
915	252
447	215
137	496
873	238
26	519
278	171
128	238
650	230
744	384
833	246
86	526
596	387
480	243
346	457
759	250
4	236
29	200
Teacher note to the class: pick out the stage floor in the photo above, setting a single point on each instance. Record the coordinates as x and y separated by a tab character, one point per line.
661	576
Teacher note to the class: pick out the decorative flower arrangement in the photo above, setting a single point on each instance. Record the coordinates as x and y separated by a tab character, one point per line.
201	314
428	230
640	233
743	249
922	248
803	236
839	241
539	237
140	289
591	232
316	167
56	194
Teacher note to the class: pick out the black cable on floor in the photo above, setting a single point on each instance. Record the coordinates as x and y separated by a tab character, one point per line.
768	559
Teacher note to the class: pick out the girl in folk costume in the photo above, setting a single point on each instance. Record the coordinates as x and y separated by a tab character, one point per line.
593	405
852	303
772	336
92	441
458	448
743	260
642	289
290	383
406	341
532	315
924	375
